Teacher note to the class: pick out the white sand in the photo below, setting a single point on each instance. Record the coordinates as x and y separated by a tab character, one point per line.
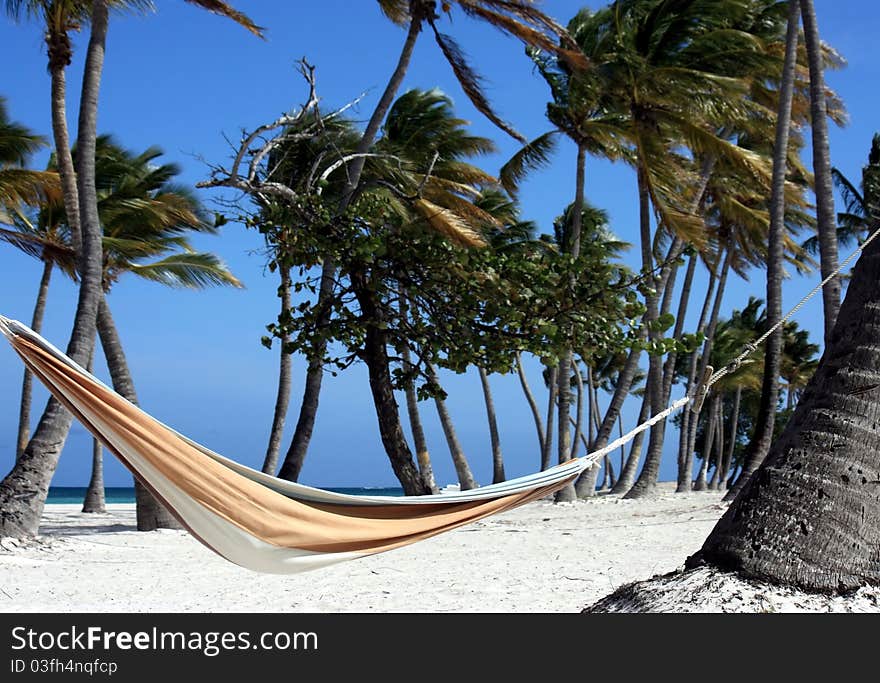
538	558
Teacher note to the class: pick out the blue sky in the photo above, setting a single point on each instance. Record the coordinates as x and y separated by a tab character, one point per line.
181	79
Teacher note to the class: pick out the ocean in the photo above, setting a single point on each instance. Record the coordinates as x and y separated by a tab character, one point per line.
125	494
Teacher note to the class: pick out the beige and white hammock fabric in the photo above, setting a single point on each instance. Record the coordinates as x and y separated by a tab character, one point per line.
252	519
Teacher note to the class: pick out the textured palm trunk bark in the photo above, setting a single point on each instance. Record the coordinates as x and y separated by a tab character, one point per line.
766	419
826	218
497	456
151	514
462	469
23	491
305	424
27	383
810	515
282	398
533	404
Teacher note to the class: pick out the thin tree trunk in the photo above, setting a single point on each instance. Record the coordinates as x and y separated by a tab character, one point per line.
375	356
59	49
579	422
551	407
685	445
23	492
423	456
710	338
533	404
628	471
293	460
462	469
826	218
94	500
571	244
809	517
719	445
24	413
708	443
647	479
731	443
282	399
609	472
766	419
586	483
151	514
620	433
497	458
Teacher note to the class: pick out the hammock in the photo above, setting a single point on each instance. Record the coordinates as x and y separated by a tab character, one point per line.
255	520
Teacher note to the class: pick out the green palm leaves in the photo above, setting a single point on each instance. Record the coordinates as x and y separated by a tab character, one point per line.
18	185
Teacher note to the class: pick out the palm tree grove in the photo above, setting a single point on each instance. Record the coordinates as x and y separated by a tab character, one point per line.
606	269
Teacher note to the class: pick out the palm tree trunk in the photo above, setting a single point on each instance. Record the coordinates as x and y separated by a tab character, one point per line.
685	447
710	339
151	515
766	419
719	446
579	423
94	500
586	483
571	244
708	443
23	492
647	478
826	218
423	456
533	404
293	460
462	469
731	443
809	517
282	399
58	48
497	458
24	413
551	407
375	356
628	471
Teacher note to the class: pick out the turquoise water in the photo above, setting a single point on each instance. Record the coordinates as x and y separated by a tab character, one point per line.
125	494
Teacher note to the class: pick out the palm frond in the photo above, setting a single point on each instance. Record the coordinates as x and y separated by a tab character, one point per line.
448	224
192	270
531	157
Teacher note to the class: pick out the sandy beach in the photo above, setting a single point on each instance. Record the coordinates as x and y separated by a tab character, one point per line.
539	558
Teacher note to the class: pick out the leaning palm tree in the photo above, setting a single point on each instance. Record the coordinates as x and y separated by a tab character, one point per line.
763	434
23	492
145	218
